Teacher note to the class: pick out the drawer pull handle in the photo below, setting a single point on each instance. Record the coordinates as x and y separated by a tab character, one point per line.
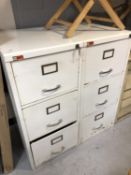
100	127
100	104
55	124
50	90
105	72
58	152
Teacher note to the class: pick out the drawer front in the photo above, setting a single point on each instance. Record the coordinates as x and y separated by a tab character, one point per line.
48	116
42	77
105	60
101	94
97	122
54	144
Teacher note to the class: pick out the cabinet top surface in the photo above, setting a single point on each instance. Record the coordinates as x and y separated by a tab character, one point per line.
38	41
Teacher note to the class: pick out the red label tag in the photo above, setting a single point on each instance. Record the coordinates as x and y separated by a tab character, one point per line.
20	57
91	43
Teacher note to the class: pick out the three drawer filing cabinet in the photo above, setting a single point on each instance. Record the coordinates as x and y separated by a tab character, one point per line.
63	91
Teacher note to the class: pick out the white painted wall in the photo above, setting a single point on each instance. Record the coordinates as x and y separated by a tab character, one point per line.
6	15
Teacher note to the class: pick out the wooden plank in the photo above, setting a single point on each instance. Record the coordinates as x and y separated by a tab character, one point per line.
129	172
83	11
66	23
126	94
130	57
127	11
126	102
80	17
80	8
5	141
128	81
126	108
125	111
58	13
121	96
129	65
108	8
102	19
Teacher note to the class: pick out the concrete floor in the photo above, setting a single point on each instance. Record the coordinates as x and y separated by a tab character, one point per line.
108	153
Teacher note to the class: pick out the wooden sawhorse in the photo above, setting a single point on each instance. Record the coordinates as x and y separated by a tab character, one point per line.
129	172
5	141
83	11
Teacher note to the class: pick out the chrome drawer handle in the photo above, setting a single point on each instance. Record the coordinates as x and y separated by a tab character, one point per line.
106	72
55	124
58	152
100	104
100	127
50	90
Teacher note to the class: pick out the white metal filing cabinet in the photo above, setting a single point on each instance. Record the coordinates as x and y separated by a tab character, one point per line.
63	90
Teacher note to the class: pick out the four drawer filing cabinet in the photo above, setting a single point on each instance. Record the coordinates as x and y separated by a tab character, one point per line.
63	90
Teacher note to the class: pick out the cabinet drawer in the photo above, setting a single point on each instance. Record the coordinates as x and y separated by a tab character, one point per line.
54	144
48	116
105	60
97	122
101	94
44	76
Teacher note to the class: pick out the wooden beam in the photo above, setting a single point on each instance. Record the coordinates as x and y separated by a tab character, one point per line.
126	12
108	8
66	23
80	17
129	173
80	8
83	11
5	141
102	19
